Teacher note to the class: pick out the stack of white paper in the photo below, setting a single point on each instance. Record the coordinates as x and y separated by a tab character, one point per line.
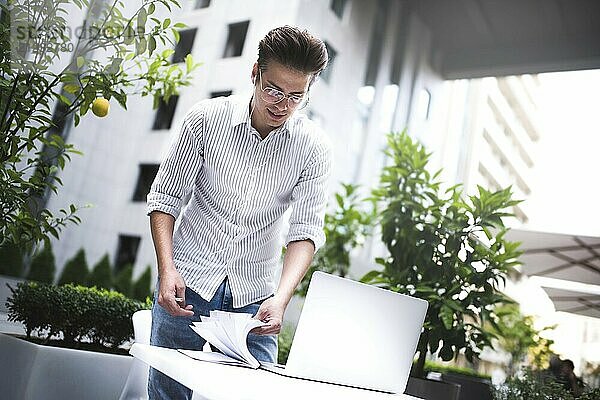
227	332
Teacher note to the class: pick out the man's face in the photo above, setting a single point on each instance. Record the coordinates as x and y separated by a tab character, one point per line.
284	79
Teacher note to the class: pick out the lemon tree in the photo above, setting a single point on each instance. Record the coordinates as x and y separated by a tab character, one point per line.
52	74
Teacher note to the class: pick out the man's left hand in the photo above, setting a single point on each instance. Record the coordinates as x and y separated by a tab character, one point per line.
270	311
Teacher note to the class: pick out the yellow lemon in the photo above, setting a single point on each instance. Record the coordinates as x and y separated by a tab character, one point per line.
100	107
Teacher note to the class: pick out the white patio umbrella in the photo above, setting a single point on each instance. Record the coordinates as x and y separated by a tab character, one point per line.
560	256
575	302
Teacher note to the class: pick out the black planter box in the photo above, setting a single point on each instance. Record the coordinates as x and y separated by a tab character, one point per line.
429	389
471	387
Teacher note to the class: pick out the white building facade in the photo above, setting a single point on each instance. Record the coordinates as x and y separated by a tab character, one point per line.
382	77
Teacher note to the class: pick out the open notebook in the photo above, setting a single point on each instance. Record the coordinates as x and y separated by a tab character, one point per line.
227	332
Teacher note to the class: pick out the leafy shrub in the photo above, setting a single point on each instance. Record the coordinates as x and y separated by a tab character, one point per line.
101	274
77	313
444	369
43	266
75	270
141	287
11	260
123	282
535	386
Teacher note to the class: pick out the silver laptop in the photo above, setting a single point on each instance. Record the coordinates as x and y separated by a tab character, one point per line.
354	334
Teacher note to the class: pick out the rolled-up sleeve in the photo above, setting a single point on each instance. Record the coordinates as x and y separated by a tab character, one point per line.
179	168
309	198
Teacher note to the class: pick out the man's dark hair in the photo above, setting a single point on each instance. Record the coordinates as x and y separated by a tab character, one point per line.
294	48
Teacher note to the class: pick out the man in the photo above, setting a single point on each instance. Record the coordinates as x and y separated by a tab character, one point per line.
245	161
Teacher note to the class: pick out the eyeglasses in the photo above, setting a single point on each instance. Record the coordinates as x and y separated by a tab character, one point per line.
273	96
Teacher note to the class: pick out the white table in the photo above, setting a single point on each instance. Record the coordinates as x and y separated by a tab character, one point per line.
225	382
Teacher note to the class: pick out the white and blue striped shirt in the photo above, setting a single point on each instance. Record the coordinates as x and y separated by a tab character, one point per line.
240	187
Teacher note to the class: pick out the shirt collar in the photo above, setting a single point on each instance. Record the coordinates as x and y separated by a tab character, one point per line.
241	109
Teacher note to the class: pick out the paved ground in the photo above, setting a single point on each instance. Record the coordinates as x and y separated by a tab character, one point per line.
10	327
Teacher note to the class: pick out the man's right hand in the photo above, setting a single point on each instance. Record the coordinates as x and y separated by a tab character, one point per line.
171	286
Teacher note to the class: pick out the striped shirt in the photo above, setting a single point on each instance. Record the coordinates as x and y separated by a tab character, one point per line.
240	187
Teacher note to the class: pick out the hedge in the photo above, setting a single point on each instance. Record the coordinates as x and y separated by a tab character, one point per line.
77	313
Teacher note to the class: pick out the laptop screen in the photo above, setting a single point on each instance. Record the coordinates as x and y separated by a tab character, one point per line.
355	334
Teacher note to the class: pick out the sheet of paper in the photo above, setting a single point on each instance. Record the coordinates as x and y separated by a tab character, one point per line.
228	332
212	357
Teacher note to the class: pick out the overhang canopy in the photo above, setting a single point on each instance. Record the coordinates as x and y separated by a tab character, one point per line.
476	38
581	303
560	256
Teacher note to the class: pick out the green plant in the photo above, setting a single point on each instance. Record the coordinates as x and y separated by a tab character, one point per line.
101	274
11	261
535	385
345	228
443	248
75	270
540	353
42	266
77	313
431	366
284	343
141	288
123	282
51	73
516	334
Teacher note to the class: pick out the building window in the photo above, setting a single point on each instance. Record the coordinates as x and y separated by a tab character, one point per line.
338	7
223	93
126	251
326	74
146	175
236	39
184	46
202	4
165	113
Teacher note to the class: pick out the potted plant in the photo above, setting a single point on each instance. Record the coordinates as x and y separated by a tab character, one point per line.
444	247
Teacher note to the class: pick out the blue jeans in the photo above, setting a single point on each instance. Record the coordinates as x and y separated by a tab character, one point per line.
175	333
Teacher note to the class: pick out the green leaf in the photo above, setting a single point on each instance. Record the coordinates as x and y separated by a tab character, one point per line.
151	45
64	99
167	53
166	23
141	19
129	35
189	63
141	46
447	316
80	61
71	88
370	276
